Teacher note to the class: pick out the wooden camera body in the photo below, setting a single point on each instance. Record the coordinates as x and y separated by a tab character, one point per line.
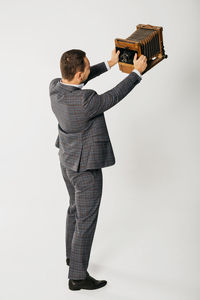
146	40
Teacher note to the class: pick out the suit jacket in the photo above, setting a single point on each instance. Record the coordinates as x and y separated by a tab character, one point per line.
83	138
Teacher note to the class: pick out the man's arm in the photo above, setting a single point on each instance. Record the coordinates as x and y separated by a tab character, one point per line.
97	70
95	104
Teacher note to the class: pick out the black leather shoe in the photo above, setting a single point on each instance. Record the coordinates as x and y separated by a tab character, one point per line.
89	283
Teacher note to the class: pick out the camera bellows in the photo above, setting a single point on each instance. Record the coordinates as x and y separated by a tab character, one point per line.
146	40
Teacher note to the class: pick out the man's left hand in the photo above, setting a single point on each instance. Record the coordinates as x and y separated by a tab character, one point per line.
114	58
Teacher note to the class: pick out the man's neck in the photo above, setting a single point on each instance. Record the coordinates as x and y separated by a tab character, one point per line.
70	82
80	85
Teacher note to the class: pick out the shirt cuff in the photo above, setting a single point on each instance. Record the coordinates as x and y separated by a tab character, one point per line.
107	65
137	72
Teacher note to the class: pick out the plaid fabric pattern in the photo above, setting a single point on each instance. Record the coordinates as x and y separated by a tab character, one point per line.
85	191
84	148
83	138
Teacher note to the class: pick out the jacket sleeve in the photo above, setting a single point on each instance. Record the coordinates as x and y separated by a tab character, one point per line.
96	70
95	104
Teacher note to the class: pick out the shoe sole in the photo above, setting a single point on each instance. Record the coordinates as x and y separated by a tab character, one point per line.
73	288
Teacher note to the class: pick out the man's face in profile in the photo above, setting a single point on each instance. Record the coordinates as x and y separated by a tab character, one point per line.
86	72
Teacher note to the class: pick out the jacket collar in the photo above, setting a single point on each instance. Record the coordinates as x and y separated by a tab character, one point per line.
70	87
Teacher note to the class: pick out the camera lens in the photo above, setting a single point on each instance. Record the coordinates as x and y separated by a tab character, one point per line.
124	57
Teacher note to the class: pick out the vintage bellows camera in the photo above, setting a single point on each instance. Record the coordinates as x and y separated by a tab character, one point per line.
146	40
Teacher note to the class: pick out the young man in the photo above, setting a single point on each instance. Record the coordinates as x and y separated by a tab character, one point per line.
84	149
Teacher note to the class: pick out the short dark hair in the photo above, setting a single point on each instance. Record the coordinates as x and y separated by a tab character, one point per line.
71	62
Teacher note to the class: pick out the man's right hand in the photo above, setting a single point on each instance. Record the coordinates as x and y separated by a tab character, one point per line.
140	64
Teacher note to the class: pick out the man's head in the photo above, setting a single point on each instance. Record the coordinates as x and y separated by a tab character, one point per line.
74	66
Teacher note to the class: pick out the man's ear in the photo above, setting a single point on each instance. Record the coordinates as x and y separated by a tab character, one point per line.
78	75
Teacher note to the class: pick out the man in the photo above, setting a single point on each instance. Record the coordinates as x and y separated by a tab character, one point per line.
84	149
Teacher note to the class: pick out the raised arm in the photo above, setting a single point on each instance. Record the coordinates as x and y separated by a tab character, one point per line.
95	104
96	70
102	67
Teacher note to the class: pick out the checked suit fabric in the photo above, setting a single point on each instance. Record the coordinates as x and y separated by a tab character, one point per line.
84	149
85	190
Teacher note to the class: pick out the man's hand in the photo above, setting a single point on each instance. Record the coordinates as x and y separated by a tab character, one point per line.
140	64
114	58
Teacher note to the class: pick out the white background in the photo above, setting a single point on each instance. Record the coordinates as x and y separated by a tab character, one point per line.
146	243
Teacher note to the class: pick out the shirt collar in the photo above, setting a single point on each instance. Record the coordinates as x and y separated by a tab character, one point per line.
76	85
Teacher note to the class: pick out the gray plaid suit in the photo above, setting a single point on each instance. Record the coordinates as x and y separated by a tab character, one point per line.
84	148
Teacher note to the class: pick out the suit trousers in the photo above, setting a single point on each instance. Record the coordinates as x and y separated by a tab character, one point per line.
85	191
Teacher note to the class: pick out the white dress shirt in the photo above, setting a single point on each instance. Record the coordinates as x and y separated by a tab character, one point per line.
136	71
108	67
